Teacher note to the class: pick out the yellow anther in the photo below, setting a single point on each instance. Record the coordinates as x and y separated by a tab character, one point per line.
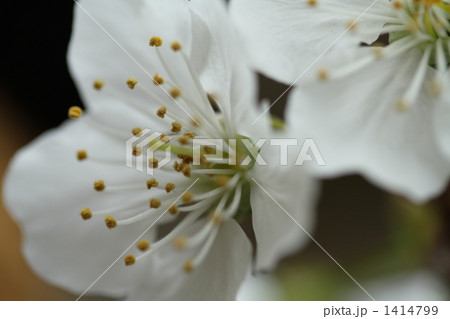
152	182
86	213
176	127
195	122
136	131
153	162
217	219
322	75
188	266
137	151
170	187
165	138
175	92
222	180
183	140
176	46
98	84
155	203
208	149
131	82
110	222
397	4
157	80
180	242
155	42
173	210
129	260
143	245
186	170
82	155
189	134
99	185
75	112
161	112
187	197
312	2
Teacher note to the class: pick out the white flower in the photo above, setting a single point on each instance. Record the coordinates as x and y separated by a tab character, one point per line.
196	250
382	111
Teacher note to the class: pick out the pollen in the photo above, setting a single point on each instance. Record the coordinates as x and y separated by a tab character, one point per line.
155	42
180	242
188	266
129	260
164	137
173	210
137	151
189	134
398	4
323	75
186	170
175	92
195	122
176	127
143	245
153	162
110	222
75	112
352	25
176	46
187	197
99	185
136	131
131	82
86	213
161	112
82	155
183	140
155	203
378	52
312	3
170	187
217	219
152	182
157	80
98	84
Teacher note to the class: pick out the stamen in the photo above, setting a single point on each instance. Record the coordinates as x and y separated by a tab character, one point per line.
153	163
155	203
176	46
157	80
143	245
136	131
129	260
176	127
156	42
110	222
161	111
173	210
188	266
132	82
175	92
187	197
170	187
99	185
82	155
183	140
75	112
152	182
86	213
137	151
98	84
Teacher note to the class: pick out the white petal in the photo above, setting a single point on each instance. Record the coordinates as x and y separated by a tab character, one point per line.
442	116
284	38
45	190
276	229
357	128
217	278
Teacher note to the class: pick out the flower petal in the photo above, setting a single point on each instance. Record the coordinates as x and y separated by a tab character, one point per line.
276	229
45	190
284	38
357	128
441	117
218	277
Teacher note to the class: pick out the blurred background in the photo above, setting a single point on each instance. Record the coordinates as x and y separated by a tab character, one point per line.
395	249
